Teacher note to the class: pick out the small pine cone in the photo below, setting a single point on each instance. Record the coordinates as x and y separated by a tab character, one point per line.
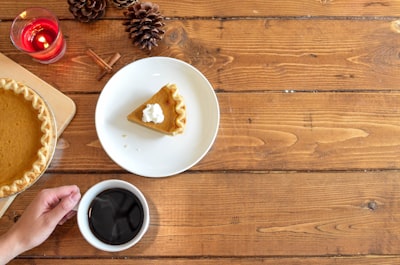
144	24
123	3
87	10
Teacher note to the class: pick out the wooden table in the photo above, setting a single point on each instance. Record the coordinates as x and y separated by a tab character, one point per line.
305	167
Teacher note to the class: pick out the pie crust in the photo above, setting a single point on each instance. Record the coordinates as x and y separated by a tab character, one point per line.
27	137
173	107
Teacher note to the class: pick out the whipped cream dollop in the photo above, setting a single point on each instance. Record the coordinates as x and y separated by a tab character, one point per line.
153	113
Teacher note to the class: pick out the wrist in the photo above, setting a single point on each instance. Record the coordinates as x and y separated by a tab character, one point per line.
10	246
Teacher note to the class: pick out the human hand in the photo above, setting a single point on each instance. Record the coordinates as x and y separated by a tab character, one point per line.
49	208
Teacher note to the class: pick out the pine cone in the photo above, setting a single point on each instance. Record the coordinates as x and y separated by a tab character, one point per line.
87	10
123	3
144	24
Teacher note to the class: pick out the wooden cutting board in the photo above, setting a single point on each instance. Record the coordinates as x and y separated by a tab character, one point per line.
63	107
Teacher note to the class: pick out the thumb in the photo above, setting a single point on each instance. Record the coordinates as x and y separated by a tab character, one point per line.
65	206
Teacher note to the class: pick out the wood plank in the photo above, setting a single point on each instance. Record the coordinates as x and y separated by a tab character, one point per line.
276	131
255	8
369	260
277	55
305	168
244	214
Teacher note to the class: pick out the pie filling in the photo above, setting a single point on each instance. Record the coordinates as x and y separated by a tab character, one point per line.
173	109
27	137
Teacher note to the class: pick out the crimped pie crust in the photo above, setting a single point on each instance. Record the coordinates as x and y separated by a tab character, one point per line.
16	184
180	109
173	107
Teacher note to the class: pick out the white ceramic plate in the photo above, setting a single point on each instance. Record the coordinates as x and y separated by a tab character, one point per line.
146	152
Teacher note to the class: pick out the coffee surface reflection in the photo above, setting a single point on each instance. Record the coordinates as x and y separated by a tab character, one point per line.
115	216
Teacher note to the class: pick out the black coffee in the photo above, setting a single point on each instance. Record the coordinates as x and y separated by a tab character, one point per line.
115	216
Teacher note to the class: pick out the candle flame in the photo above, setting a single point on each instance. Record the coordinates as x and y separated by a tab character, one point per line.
43	40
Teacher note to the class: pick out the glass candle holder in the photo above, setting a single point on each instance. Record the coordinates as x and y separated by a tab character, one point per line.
36	32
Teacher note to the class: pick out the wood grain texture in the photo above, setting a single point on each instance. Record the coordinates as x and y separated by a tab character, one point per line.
255	8
305	167
369	260
276	131
245	215
240	55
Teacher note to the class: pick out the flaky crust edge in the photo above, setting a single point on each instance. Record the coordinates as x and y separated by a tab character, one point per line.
47	140
180	109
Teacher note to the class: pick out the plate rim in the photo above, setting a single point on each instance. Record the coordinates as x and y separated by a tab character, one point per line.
211	141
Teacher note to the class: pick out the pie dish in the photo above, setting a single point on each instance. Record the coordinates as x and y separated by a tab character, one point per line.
27	137
173	109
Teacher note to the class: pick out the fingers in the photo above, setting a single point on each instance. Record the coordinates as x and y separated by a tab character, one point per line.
51	197
68	216
62	209
63	191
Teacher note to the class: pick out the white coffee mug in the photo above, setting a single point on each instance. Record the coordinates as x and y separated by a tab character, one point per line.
83	217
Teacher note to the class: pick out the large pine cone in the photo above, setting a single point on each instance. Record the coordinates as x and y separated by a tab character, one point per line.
123	3
144	24
87	10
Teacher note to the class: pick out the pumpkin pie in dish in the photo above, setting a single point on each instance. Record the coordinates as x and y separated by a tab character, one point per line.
164	112
27	137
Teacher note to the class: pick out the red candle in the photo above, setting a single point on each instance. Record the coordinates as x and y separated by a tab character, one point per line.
39	35
36	32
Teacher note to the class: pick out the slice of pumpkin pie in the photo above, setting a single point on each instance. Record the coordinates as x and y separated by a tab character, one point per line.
164	112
